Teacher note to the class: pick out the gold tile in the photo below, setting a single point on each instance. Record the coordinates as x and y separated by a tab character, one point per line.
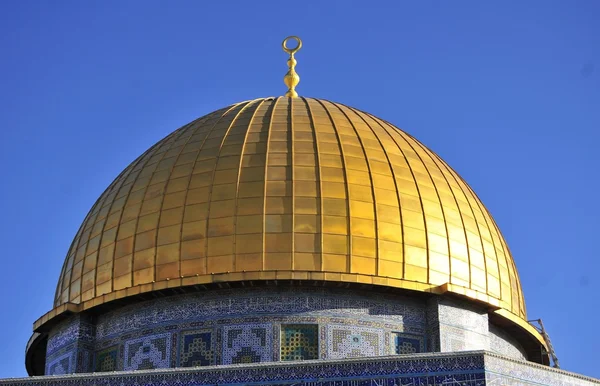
277	261
145	240
167	271
221	245
219	264
167	253
307	261
144	259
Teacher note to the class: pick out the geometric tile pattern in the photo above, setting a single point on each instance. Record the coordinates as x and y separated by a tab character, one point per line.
149	352
247	343
274	301
244	326
74	329
62	335
196	348
354	342
504	371
462	326
61	365
503	344
407	344
299	342
434	369
107	359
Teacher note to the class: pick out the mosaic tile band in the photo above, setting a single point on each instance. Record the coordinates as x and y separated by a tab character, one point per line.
250	326
466	369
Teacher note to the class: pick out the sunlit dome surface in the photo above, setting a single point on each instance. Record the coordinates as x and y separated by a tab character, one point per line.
294	189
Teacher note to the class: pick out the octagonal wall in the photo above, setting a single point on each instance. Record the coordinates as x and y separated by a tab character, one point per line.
268	325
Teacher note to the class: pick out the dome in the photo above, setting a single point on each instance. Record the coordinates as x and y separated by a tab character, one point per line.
289	189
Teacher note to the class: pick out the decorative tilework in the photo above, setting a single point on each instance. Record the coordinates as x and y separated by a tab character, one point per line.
434	370
299	342
458	325
407	344
369	312
504	344
107	359
247	343
475	368
84	359
353	342
509	372
76	328
151	352
196	348
264	301
61	365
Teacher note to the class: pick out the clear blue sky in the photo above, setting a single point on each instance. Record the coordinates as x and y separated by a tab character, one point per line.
508	93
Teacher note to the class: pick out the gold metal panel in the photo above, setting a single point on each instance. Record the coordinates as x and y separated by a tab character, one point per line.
362	246
363	265
307	261
277	261
335	224
247	206
362	227
390	268
275	223
218	264
218	246
167	253
333	190
249	243
145	240
307	242
124	247
248	224
278	242
362	209
143	276
259	186
388	231
143	259
307	205
167	271
304	223
248	261
220	226
170	234
391	251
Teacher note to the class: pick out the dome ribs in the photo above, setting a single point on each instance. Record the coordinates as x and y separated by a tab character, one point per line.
330	252
289	189
359	233
216	235
249	130
317	169
373	127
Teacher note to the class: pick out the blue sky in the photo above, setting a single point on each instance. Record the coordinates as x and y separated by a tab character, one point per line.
508	93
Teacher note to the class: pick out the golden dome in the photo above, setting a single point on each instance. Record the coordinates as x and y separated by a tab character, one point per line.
289	188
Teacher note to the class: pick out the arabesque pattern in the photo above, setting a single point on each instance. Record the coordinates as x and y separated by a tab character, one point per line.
290	188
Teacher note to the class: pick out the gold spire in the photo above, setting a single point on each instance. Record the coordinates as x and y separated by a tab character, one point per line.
291	79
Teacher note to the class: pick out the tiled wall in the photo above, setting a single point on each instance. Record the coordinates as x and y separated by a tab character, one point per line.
461	325
503	344
509	372
264	325
475	368
70	347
